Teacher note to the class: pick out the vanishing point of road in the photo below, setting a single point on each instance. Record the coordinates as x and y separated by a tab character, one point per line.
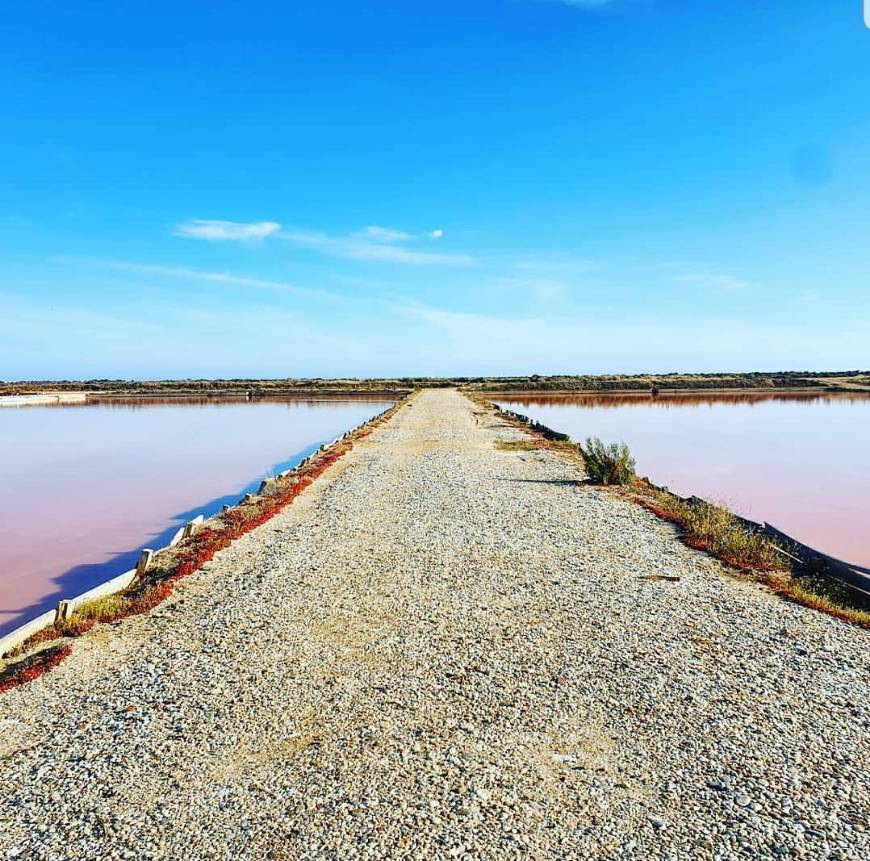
448	650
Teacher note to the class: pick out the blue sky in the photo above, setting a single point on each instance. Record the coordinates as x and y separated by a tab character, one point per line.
392	188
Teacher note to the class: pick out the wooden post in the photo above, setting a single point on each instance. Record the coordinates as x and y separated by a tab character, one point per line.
61	614
192	525
143	563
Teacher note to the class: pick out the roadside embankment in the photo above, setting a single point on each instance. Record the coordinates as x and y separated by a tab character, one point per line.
448	647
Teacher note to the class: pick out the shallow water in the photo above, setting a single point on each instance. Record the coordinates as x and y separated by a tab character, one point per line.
84	488
799	461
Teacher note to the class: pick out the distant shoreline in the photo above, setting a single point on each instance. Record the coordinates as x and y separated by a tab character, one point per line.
84	399
542	385
61	398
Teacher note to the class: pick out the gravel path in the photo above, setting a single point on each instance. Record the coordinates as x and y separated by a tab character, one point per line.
445	650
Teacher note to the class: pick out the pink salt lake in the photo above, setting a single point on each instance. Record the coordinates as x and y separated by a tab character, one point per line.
84	488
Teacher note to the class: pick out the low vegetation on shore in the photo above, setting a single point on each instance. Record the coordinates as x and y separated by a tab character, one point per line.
710	527
231	388
717	531
703	525
663	383
651	383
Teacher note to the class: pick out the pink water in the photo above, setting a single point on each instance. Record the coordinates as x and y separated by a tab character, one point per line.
84	488
800	462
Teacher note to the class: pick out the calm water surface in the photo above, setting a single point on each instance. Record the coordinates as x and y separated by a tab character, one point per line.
800	462
84	488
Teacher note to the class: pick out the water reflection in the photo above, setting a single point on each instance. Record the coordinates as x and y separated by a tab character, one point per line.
307	400
668	400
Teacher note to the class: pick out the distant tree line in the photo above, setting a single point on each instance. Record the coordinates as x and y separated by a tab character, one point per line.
533	383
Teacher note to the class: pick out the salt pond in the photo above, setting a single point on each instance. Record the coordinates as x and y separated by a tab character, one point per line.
85	487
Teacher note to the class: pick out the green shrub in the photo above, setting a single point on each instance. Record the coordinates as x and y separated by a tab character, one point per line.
607	464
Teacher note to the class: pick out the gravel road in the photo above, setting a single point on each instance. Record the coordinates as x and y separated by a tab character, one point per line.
444	650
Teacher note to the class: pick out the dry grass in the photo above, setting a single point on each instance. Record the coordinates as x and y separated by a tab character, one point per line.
711	528
824	594
108	607
809	598
520	444
138	598
717	531
536	442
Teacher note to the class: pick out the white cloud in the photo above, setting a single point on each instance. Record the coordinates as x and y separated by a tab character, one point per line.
200	228
436	234
355	247
384	234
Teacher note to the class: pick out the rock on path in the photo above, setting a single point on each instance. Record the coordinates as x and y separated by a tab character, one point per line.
446	650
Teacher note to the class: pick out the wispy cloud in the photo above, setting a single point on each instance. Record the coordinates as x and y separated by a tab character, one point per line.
541	290
559	265
234	231
595	343
714	281
366	246
372	243
806	297
389	234
225	278
183	340
384	234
